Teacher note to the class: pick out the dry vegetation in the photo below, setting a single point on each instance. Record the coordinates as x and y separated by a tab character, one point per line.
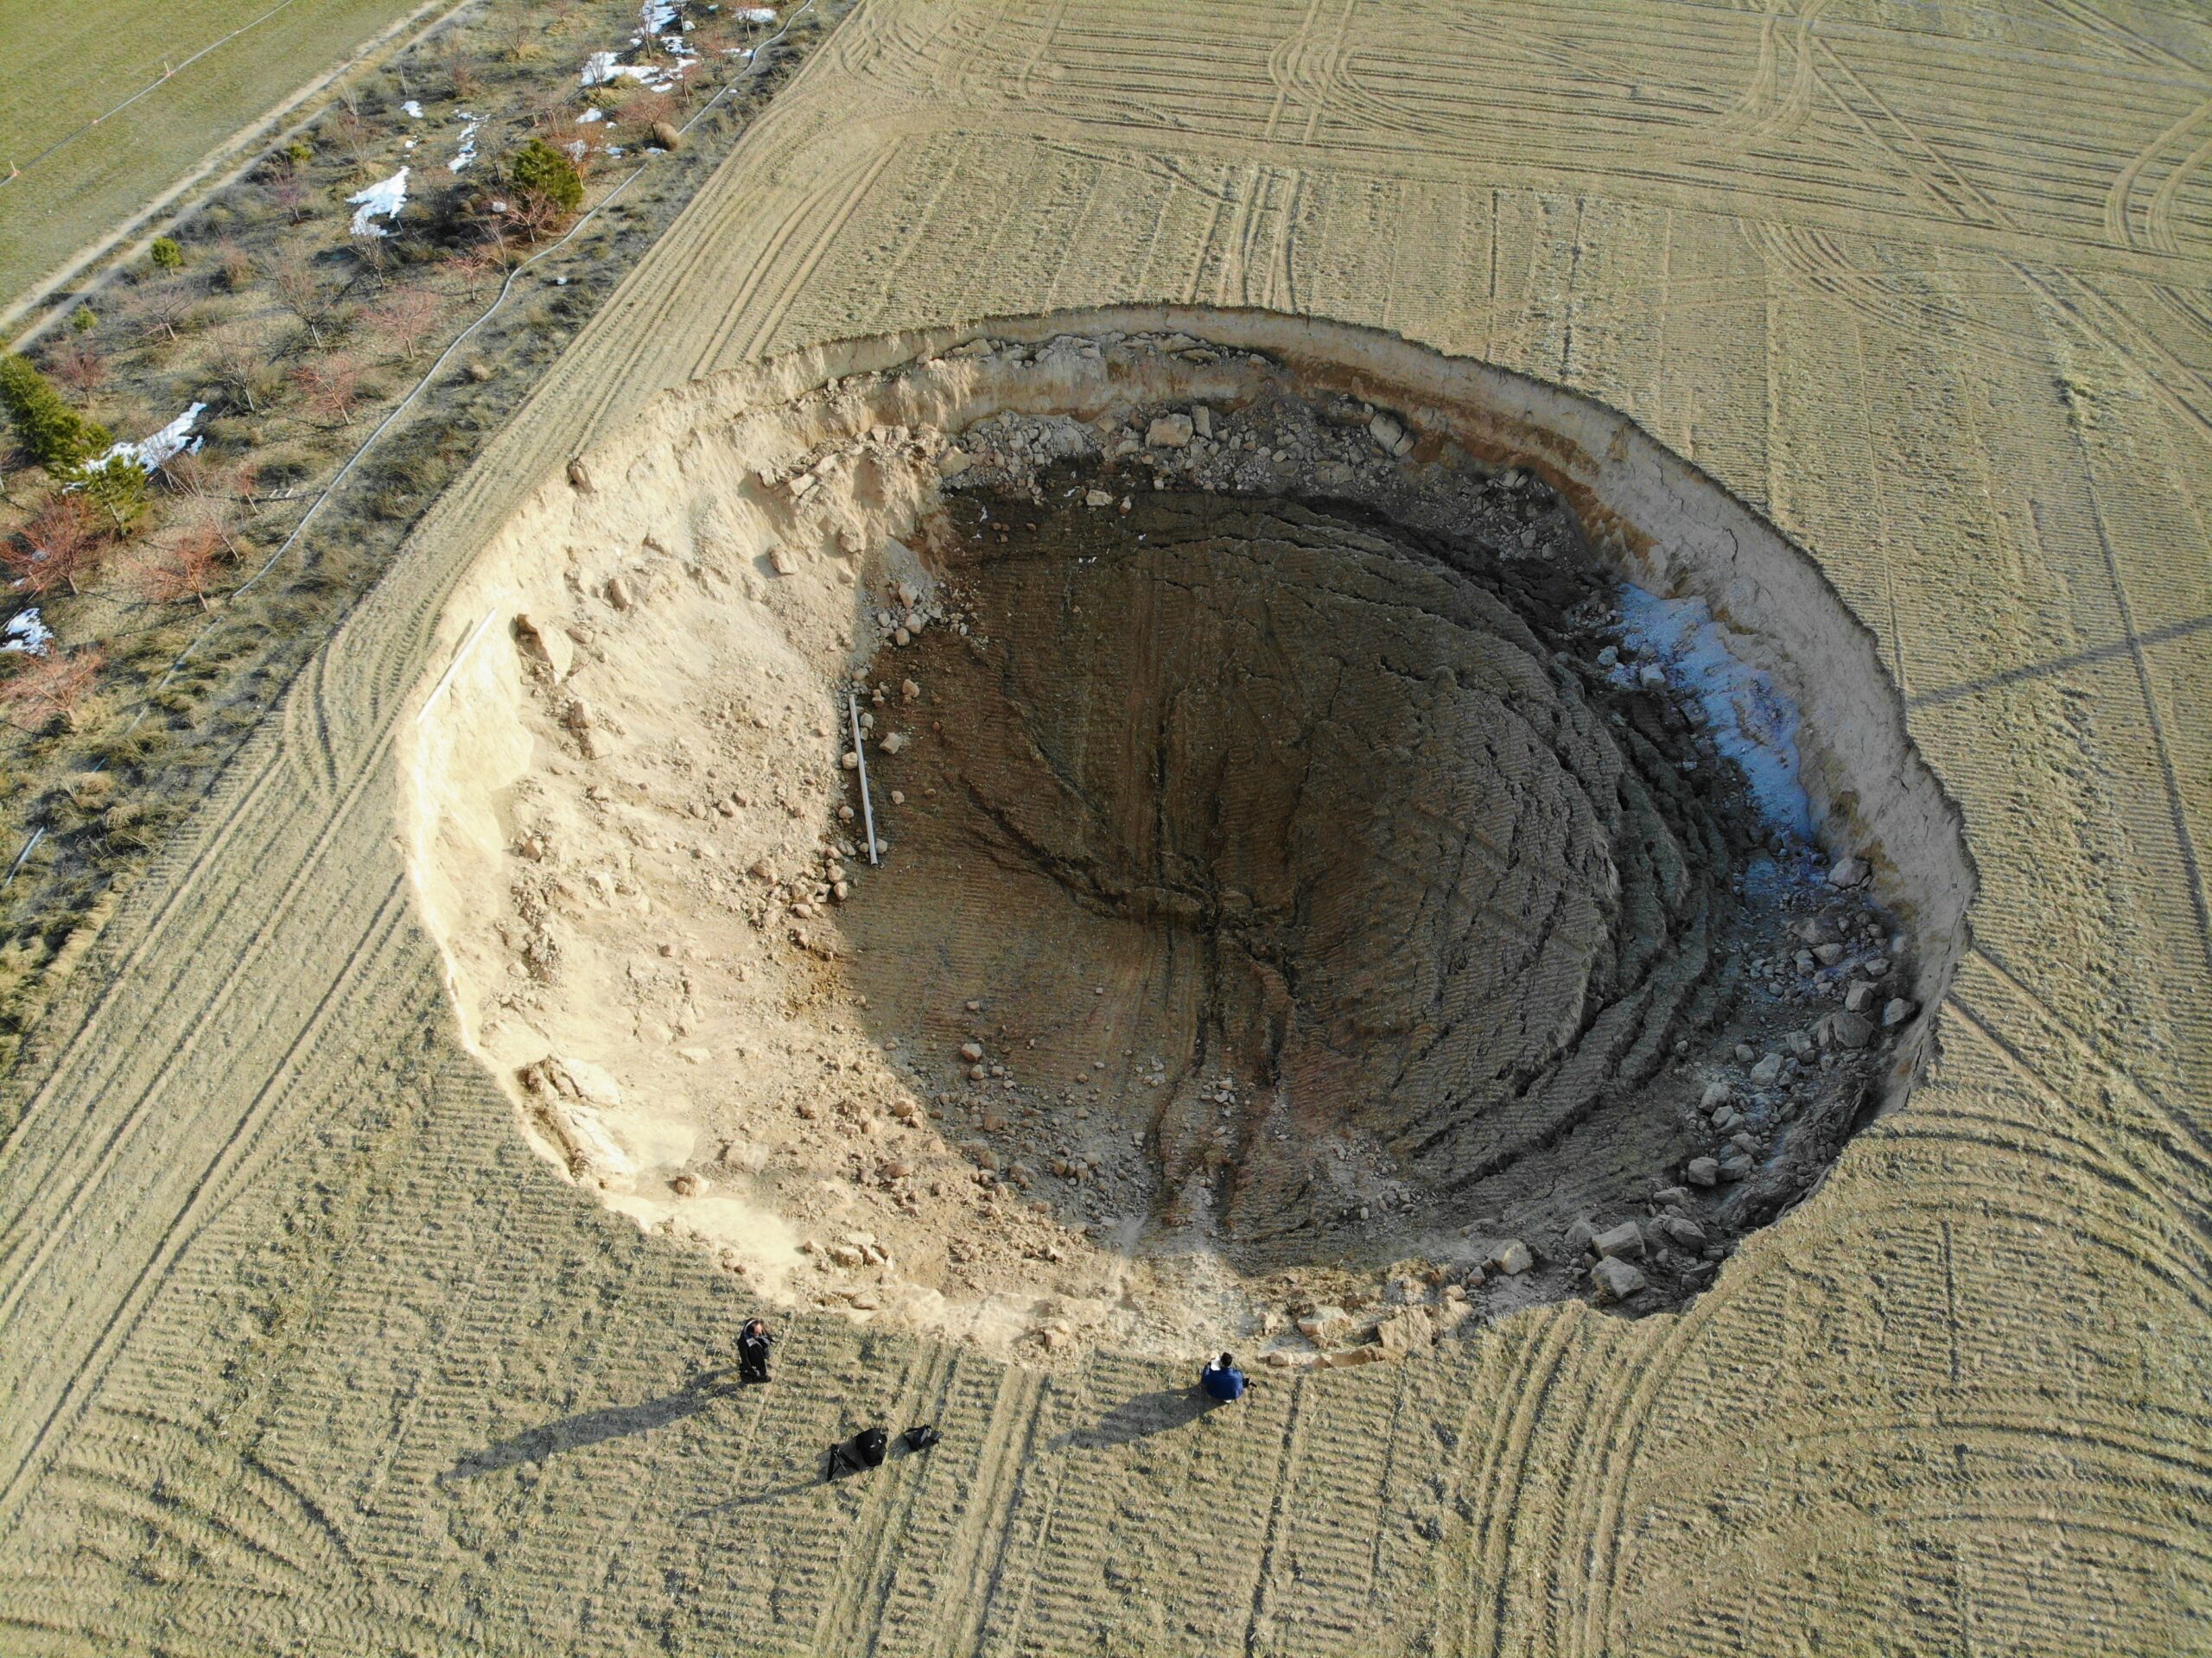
302	339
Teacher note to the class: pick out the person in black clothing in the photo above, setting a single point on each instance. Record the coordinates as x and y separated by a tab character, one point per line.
752	1350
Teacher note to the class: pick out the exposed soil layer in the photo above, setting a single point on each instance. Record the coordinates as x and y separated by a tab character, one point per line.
1320	898
1315	889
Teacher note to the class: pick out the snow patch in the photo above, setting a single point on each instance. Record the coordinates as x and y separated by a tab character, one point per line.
26	633
380	200
1749	721
163	447
414	110
590	115
658	16
756	14
468	152
601	68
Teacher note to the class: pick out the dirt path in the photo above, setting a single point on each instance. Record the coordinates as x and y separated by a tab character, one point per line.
306	1351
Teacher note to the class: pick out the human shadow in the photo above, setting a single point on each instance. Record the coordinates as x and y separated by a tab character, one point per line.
1138	1418
824	1473
596	1426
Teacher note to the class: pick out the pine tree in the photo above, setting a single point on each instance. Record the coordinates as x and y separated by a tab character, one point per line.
543	173
53	433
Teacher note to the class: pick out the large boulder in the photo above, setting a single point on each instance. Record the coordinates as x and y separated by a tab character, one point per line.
1615	1279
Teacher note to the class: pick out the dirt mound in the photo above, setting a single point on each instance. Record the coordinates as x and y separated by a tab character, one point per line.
1311	879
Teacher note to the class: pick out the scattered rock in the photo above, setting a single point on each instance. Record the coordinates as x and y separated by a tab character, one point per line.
548	642
1845	1030
1405	1332
1686	1232
618	594
478	370
1860	996
578	478
1829	955
1716	1096
782	561
1899	1010
1581	1238
1848	872
953	462
688	1185
894	743
1511	1258
1324	1325
1615	1279
666	135
1168	432
1626	1239
1767	1072
1702	1172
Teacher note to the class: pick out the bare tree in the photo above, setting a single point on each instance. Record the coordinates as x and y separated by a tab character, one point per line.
330	388
80	368
239	358
355	135
182	567
159	309
60	545
47	687
408	317
458	54
237	266
290	193
216	496
300	290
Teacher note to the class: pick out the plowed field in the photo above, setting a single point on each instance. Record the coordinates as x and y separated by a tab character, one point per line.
304	1347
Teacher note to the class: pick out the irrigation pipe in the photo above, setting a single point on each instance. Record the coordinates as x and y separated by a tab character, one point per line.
400	408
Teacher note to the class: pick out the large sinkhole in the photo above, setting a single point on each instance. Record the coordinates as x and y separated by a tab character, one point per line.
1361	841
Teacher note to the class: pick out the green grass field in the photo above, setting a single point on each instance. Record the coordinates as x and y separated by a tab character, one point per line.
65	64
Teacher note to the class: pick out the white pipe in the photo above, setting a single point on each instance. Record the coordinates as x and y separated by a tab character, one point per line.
860	757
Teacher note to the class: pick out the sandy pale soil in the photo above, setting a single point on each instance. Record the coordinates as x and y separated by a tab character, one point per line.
1281	909
305	1346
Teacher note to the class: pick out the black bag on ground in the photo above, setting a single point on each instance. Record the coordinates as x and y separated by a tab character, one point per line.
872	1443
922	1438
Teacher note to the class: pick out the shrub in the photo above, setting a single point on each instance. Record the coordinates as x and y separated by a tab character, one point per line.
60	545
46	687
542	174
237	266
81	321
182	569
53	433
166	254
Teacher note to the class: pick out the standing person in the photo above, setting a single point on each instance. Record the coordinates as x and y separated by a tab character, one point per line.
1223	1381
752	1350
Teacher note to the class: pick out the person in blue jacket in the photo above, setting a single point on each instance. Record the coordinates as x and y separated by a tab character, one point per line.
1223	1381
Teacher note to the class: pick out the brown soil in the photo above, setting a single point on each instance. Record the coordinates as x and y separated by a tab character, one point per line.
1308	900
1285	900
